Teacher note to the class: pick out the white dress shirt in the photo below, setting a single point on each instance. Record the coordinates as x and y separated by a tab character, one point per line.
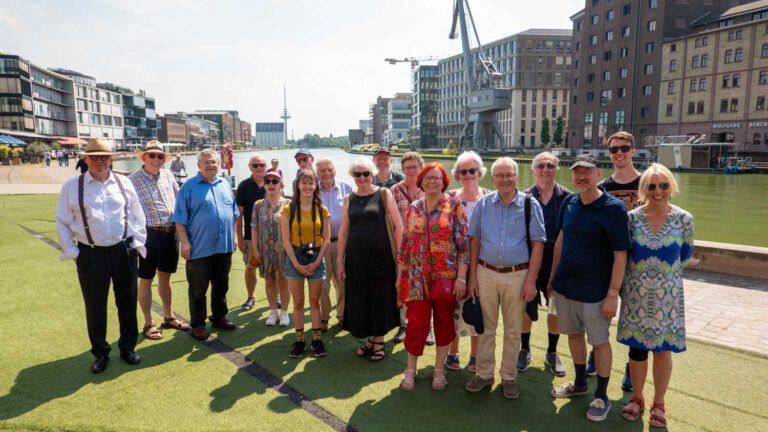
104	205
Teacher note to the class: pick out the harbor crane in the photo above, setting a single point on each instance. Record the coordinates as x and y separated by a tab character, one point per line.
485	95
414	61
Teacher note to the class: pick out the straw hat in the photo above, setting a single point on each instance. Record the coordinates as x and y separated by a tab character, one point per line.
153	146
98	147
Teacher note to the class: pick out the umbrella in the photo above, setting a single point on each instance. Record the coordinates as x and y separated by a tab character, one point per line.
13	142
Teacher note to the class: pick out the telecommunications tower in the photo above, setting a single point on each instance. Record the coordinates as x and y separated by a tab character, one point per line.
285	116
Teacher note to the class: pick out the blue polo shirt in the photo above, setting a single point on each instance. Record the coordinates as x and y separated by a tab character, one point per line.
501	229
591	233
208	210
333	199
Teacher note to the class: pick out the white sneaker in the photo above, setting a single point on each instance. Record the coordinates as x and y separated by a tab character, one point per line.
272	320
284	320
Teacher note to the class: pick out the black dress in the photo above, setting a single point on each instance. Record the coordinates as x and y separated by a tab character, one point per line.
370	307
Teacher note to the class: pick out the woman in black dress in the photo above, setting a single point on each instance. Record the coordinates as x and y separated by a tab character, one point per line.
365	261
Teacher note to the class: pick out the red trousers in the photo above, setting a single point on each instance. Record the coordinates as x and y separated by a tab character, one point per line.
419	314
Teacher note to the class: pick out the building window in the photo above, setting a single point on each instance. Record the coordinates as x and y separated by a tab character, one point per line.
525	95
626	9
575	99
606	75
691	107
736	80
588	129
645	112
648	69
649	47
590	77
607	56
609	15
653	4
760	106
734	105
595	19
647	90
726	80
609	36
673	48
625	31
621	93
671	87
590	96
619	120
695	62
651	25
606	96
702	84
593	40
672	65
623	72
669	110
624	52
593	59
728	56
723	105
704	60
577	26
738	55
700	107
553	114
763	77
692	87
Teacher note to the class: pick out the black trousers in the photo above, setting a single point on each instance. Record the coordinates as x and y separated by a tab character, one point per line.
213	269
96	267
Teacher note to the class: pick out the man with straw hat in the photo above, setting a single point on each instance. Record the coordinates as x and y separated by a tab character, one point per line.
101	225
157	192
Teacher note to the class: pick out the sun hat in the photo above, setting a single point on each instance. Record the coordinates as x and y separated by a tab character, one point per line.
98	147
153	146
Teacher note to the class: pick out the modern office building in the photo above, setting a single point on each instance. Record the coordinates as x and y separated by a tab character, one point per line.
141	124
231	129
535	65
617	63
714	82
173	130
378	117
16	108
424	107
398	119
270	134
356	136
99	111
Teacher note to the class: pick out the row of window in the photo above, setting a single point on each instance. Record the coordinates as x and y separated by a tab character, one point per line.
553	111
726	105
610	14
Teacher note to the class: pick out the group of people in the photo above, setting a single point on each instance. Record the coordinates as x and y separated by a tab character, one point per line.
61	156
403	252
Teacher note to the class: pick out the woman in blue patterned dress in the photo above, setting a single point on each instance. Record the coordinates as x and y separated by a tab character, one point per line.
652	315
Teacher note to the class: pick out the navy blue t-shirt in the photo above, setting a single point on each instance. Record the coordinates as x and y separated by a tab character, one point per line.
591	233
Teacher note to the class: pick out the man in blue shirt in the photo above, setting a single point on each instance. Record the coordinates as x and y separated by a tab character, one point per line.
587	270
332	192
205	222
503	272
385	177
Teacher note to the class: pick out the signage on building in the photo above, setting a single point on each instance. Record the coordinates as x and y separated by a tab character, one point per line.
731	125
758	124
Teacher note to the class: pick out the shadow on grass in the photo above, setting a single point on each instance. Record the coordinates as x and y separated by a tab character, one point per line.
42	383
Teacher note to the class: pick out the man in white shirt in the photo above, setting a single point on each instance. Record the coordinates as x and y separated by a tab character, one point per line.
101	225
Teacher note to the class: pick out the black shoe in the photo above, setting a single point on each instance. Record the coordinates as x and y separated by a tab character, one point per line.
298	349
200	333
319	348
100	364
130	357
224	324
399	336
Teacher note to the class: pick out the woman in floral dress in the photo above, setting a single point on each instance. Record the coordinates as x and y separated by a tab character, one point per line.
652	315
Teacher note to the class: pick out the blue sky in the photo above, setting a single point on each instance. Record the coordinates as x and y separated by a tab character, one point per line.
199	54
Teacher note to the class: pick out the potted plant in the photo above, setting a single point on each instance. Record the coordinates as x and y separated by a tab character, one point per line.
16	155
5	151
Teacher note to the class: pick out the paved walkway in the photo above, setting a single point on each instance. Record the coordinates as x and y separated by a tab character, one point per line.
723	309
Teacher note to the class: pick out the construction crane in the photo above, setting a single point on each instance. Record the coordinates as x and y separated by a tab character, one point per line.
486	97
414	61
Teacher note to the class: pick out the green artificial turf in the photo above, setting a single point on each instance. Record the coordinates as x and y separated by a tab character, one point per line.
181	385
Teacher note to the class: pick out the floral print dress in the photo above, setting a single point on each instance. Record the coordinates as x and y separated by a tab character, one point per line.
267	221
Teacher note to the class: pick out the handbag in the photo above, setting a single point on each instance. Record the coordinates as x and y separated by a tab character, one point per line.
390	226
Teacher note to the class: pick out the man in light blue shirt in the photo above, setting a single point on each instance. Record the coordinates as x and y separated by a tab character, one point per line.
503	272
332	192
205	222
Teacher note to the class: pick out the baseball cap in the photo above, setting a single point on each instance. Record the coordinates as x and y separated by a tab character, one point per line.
585	160
382	150
303	151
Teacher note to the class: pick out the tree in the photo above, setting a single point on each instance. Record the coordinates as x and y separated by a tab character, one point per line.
557	136
36	148
545	131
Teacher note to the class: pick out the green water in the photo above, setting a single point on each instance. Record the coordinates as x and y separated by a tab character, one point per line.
726	208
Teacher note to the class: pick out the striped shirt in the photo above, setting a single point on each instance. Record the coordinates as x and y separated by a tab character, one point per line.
404	196
157	195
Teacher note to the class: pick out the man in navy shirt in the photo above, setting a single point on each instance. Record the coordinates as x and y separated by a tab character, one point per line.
588	267
205	222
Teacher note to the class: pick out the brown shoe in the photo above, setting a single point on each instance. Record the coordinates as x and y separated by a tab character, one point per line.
200	333
476	384
509	389
224	324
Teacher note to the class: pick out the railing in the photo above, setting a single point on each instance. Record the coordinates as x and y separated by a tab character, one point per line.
652	140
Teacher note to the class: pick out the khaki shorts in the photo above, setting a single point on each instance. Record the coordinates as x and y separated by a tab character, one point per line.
575	317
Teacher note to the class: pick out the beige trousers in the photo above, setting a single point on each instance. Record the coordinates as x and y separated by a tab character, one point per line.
325	296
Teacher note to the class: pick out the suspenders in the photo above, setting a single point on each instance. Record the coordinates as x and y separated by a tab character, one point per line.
80	196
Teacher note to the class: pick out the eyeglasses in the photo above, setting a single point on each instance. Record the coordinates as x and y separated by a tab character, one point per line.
433	179
258	165
624	149
99	158
365	174
302	159
505	176
468	171
272	181
546	165
662	186
156	155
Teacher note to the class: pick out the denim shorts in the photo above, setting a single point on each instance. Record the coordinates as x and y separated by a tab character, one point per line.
292	274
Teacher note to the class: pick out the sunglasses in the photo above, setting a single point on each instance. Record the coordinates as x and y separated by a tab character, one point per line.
99	158
546	165
624	149
364	174
258	165
302	160
272	181
156	155
468	171
662	186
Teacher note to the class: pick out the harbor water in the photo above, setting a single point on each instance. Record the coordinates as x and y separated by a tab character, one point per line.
726	208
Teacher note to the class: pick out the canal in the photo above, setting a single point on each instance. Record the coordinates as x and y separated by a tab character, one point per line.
726	208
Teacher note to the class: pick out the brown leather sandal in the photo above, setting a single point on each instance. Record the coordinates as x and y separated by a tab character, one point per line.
175	323
633	409
658	416
151	332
